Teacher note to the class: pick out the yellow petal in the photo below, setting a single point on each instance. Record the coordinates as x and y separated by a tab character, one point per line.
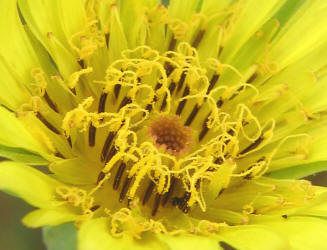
49	217
76	171
28	183
95	234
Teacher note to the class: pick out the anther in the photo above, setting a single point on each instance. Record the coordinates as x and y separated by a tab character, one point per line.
117	90
192	115
252	146
124	102
125	189
51	104
47	124
213	81
170	191
106	145
181	81
100	177
148	192
118	176
182	103
198	39
92	131
156	204
102	103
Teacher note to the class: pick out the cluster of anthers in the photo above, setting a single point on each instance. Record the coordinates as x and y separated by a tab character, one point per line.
169	128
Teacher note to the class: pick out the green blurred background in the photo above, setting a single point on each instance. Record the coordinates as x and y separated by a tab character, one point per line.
15	236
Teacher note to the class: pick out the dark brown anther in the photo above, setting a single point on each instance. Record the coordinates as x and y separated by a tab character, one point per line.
106	145
100	177
92	131
213	81
50	103
182	103
73	90
220	51
198	39
168	68
81	62
164	103
183	204
172	87
156	204
219	161
148	192
125	189
203	133
124	102
172	44
107	36
102	103
58	154
192	115
285	216
221	191
181	81
220	102
47	124
252	146
252	78
69	140
94	208
117	90
118	176
167	195
205	129
111	154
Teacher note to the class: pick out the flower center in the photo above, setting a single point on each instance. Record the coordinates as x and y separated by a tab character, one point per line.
170	135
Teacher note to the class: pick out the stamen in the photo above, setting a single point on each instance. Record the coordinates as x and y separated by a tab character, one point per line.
164	103
124	102
81	63
148	193
92	131
220	102
69	139
213	81
102	103
100	177
182	103
106	145
117	90
252	146
198	39
183	203
204	130
51	104
118	176
192	115
125	189
172	44
47	124
156	204
170	191
181	81
172	87
94	208
112	152
107	36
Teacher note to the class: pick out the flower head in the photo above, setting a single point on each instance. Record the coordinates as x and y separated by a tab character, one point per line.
161	125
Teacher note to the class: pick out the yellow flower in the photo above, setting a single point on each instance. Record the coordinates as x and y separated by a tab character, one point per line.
162	127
